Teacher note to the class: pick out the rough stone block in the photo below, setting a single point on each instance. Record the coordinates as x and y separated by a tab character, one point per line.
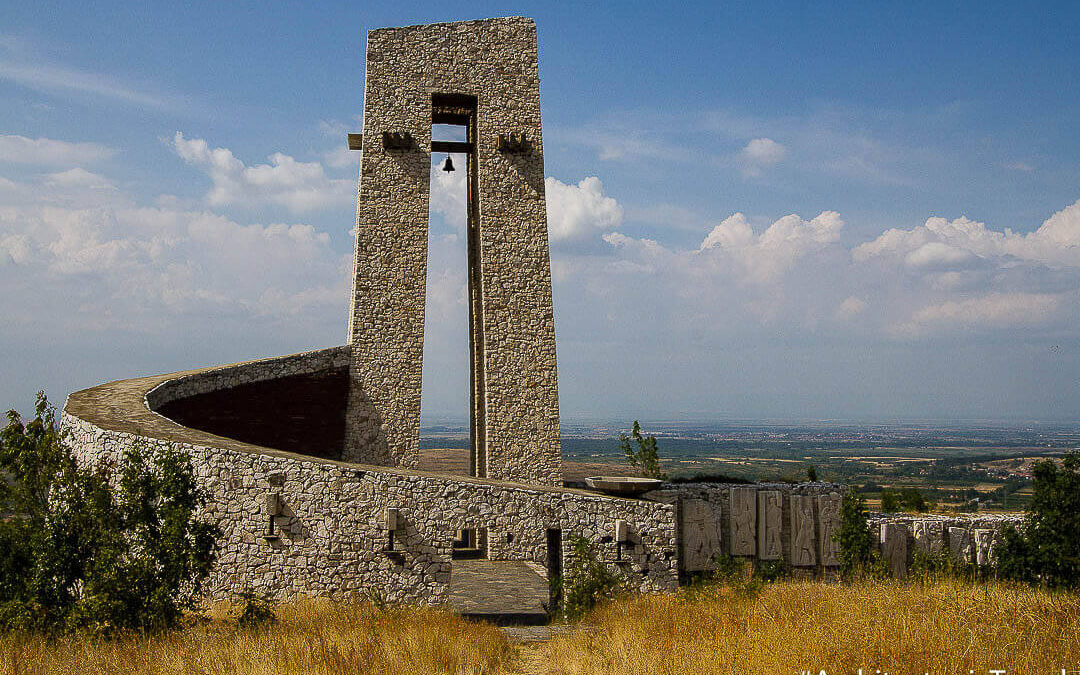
743	520
803	539
700	535
770	524
828	515
960	544
894	548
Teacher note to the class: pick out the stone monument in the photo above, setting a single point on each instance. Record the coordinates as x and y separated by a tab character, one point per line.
482	76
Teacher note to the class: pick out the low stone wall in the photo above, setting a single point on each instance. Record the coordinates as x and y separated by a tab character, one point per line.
966	538
765	521
227	377
345	528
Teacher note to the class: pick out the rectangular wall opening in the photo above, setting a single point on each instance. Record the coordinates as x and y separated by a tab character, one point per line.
554	566
469	544
451	403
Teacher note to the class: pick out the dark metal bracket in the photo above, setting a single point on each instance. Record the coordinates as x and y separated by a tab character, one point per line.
514	143
397	140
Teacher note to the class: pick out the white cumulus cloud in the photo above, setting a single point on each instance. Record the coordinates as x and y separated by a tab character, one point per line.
765	256
298	186
942	242
575	211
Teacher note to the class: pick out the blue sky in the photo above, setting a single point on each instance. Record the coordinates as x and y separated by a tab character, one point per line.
769	210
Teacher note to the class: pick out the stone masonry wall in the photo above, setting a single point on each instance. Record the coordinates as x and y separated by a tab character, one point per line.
764	521
494	61
332	531
966	538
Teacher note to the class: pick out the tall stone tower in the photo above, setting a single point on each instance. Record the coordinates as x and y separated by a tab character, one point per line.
482	75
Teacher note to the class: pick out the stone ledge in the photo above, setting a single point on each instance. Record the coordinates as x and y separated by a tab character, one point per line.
121	406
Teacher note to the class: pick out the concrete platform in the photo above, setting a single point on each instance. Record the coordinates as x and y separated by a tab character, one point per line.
504	592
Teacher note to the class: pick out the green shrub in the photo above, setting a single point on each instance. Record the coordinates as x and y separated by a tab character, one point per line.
586	581
908	499
1046	549
256	611
858	554
929	566
106	549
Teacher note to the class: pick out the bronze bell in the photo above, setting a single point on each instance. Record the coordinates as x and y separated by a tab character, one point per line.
448	165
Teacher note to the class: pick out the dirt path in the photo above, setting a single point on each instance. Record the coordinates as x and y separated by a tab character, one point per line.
529	641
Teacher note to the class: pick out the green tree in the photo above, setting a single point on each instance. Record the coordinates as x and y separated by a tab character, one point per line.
857	551
811	473
890	501
93	548
1046	549
913	500
646	456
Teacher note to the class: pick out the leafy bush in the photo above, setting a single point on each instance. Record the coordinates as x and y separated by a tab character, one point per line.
858	554
97	549
927	566
646	457
256	611
908	499
586	581
1046	549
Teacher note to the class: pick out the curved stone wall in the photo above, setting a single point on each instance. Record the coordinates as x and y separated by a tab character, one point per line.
334	524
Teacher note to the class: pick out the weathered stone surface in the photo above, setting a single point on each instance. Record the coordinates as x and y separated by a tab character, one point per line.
961	544
770	524
929	536
488	69
828	519
894	548
743	520
332	529
803	539
985	541
700	535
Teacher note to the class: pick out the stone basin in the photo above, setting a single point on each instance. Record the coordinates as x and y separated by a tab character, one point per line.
622	485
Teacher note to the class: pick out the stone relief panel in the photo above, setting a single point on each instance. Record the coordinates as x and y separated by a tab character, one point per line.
985	541
700	535
743	520
803	541
894	548
828	519
960	544
929	536
770	524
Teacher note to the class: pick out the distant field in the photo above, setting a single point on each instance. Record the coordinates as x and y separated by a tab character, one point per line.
951	466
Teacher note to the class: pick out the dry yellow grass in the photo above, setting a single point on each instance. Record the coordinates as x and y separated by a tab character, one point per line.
309	637
942	628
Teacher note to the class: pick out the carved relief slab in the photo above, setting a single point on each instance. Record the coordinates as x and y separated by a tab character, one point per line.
984	546
828	520
700	535
929	536
743	520
803	541
960	544
894	548
770	524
